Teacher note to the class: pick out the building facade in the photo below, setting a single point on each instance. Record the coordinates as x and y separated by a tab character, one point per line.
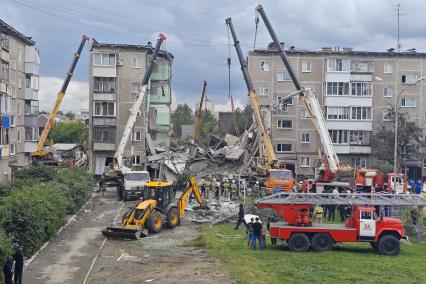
19	85
116	72
356	90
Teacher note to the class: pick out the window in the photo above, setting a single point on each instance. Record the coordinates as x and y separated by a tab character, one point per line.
424	163
12	121
361	113
304	114
283	104
264	91
4	136
30	108
31	133
361	89
387	92
387	115
136	86
104	109
136	62
19	82
339	136
366	215
387	68
12	148
104	59
264	66
4	71
4	41
306	66
337	88
408	102
359	162
305	137
359	137
283	76
12	64
13	92
27	81
361	66
19	136
341	113
304	162
104	84
136	160
284	148
284	123
339	65
408	79
104	135
136	136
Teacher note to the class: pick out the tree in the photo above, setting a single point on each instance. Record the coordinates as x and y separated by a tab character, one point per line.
69	132
70	115
410	138
208	126
182	115
244	118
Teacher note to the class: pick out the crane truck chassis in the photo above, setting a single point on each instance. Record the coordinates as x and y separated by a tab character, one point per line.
363	225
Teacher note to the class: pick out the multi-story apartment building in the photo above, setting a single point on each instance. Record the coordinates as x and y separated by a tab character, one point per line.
116	72
19	84
355	88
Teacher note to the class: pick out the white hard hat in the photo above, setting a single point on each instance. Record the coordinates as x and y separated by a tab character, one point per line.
233	181
214	179
202	179
257	182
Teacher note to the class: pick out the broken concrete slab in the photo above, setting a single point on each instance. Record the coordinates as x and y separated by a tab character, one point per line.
231	140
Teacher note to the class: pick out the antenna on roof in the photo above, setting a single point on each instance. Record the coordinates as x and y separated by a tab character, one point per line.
398	13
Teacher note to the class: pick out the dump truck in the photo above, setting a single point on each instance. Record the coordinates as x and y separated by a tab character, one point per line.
158	207
363	224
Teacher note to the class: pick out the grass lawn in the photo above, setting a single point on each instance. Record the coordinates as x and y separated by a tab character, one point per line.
352	263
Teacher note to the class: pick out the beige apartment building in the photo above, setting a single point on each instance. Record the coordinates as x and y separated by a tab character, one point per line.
116	72
355	89
19	85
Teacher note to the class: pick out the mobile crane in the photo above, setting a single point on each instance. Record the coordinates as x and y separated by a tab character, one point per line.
281	178
363	225
41	154
331	164
132	182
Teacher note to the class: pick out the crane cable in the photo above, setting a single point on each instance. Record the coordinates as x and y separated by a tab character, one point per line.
256	21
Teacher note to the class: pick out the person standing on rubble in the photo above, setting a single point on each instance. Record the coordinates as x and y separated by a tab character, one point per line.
241	217
217	188
257	192
203	188
207	187
225	188
233	189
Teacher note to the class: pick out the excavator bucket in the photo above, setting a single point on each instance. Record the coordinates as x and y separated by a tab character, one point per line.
123	233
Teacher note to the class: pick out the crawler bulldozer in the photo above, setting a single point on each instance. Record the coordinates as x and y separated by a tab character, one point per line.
158	207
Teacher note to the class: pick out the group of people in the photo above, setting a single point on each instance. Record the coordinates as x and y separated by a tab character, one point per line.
416	187
14	267
256	231
229	188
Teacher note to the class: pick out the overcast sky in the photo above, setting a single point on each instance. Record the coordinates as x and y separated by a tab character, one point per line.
197	35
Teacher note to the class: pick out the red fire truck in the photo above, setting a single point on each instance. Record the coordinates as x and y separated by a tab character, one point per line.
363	225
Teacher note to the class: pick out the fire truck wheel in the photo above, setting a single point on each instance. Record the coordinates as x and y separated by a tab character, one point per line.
388	245
322	242
298	242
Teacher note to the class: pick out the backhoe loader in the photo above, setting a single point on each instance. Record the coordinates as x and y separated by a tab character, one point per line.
158	207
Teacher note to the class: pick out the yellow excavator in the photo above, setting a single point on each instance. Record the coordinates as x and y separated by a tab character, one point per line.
158	207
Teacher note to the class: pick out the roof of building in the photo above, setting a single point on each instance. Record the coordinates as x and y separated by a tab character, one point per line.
147	46
4	27
344	51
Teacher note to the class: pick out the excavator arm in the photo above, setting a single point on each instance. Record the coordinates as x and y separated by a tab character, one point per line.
183	200
40	154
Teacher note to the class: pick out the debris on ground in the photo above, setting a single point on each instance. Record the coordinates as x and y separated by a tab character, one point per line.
219	212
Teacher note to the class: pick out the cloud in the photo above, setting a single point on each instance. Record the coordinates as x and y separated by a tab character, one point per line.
76	96
227	106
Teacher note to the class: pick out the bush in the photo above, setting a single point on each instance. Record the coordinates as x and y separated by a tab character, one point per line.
32	216
35	174
75	185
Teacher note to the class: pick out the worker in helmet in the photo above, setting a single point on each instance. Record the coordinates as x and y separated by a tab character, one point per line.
207	186
225	188
257	189
233	189
217	188
203	188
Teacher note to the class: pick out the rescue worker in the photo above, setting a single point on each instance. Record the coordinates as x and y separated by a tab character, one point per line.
318	213
203	188
225	188
418	186
241	217
207	186
217	188
257	190
233	189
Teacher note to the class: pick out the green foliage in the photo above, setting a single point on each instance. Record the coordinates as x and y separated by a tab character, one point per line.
244	118
410	138
5	247
208	127
182	115
32	216
75	185
69	132
70	115
40	173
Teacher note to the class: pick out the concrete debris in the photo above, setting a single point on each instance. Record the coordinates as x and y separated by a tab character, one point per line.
220	212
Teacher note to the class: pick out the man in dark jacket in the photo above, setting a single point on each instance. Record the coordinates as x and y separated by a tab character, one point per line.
8	271
257	234
19	264
241	217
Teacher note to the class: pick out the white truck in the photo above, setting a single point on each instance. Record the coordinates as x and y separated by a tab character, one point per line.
133	184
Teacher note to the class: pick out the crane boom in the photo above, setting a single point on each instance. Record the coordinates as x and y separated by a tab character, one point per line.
40	153
308	98
198	113
118	156
272	159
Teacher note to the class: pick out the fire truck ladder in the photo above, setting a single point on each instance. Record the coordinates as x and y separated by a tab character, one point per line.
363	199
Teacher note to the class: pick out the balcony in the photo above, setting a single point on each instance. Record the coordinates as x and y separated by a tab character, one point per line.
31	94
99	146
32	60
104	121
104	71
4	151
362	101
30	120
4	55
364	125
104	96
30	146
352	149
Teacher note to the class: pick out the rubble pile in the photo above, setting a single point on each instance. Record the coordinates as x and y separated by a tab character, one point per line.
229	156
218	212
